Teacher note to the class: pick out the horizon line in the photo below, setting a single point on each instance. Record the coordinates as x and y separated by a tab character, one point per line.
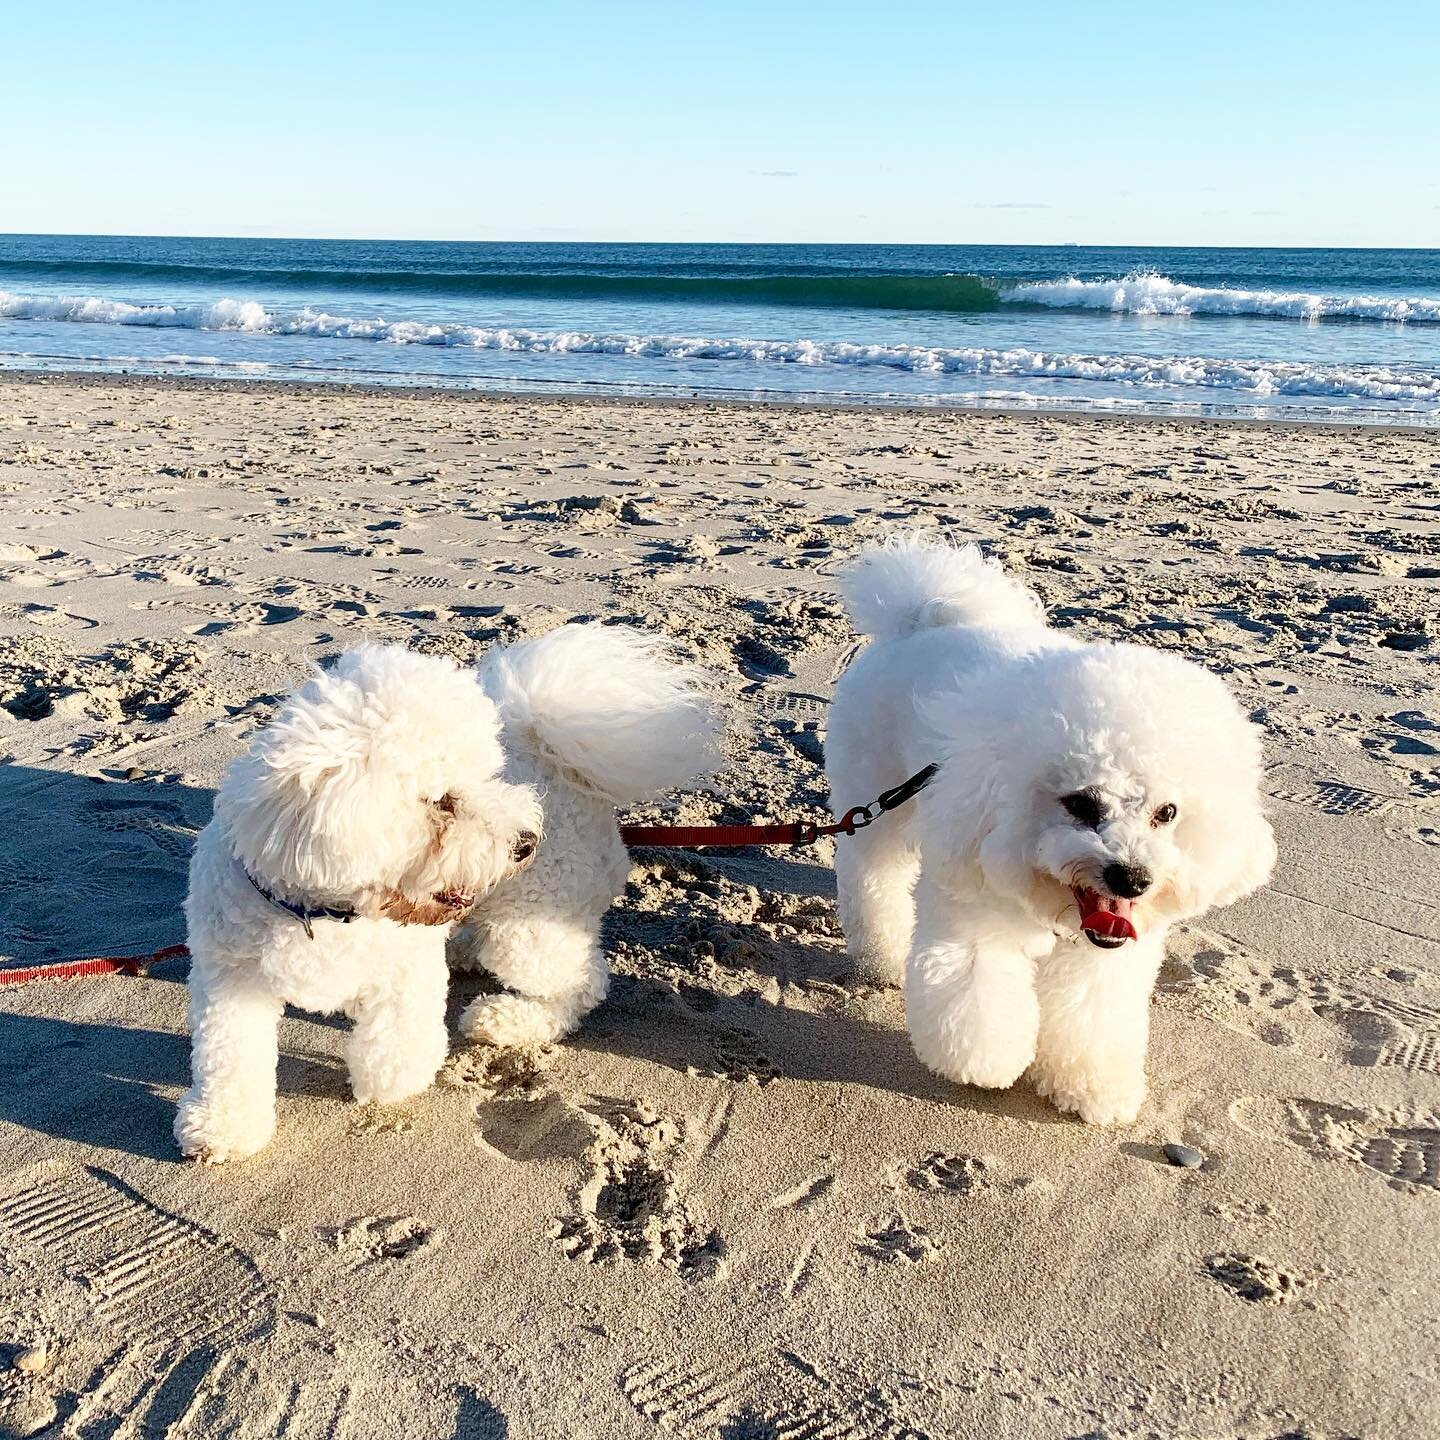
738	244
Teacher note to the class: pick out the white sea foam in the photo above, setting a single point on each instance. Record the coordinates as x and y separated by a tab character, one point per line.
1251	377
1147	293
91	309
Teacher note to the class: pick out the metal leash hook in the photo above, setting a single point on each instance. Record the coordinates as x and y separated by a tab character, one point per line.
856	818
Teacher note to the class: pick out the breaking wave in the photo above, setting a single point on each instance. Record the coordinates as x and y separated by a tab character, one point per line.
1240	376
1148	293
1138	293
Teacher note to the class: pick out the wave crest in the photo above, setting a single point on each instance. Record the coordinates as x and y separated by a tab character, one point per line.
944	293
1149	293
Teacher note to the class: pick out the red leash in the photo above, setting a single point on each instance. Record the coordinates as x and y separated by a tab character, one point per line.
724	837
698	837
74	968
797	832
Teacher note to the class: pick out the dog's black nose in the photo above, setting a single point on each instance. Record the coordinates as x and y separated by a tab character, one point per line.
524	846
1128	881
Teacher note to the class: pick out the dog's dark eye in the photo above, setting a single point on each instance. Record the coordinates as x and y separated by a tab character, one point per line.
1086	807
446	803
1163	816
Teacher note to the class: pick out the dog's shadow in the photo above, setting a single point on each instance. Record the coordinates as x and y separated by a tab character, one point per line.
93	865
97	866
853	1037
114	1086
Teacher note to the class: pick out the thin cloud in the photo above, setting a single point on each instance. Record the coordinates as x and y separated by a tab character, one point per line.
1011	205
776	174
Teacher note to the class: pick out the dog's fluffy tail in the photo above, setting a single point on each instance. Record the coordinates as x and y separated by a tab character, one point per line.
609	707
918	581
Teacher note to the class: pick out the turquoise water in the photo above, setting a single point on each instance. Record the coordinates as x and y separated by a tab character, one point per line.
1319	334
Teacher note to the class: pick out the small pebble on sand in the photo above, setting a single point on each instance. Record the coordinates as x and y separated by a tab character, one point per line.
1185	1156
34	1360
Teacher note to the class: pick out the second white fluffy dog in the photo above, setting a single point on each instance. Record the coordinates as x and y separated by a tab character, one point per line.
366	818
1088	797
593	717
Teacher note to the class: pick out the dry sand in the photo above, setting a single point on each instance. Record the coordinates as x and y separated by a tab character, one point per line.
735	1204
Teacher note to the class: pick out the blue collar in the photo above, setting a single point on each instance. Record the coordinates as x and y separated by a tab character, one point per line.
303	913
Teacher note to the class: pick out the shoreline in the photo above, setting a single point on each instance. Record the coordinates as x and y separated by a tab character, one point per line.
808	402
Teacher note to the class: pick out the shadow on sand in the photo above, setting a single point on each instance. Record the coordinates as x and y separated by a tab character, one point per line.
97	866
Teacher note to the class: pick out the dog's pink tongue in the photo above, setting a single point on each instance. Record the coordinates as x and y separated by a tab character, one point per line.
1107	915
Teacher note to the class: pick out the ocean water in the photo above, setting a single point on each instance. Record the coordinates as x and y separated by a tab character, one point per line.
1302	334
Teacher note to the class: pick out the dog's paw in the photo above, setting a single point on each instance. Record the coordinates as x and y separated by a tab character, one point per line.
993	1062
992	1070
389	1088
512	1021
874	965
212	1137
1096	1104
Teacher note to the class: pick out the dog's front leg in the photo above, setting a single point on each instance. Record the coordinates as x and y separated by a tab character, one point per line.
1094	1028
874	877
970	991
229	1110
399	1040
550	960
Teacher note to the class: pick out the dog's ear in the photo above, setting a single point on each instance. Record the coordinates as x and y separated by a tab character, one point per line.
308	809
969	822
1246	861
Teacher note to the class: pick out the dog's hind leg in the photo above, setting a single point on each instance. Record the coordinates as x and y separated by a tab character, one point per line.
554	970
399	1041
229	1110
875	872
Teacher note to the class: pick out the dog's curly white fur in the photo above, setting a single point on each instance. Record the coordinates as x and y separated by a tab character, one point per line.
1107	779
376	791
594	717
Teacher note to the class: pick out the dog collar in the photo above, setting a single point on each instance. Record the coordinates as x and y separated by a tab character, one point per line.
305	914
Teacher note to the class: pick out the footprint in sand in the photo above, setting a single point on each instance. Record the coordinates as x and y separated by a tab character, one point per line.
736	1055
952	1174
632	1205
1401	1148
1335	797
48	617
1254	1278
158	823
150	1277
894	1240
497	1072
779	1395
1246	993
372	1238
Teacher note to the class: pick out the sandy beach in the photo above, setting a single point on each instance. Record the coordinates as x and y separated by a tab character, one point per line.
735	1204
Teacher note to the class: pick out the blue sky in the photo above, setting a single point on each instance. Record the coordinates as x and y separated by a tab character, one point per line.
1263	123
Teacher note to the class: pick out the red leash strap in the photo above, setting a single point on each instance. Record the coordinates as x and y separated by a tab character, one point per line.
724	837
797	832
74	968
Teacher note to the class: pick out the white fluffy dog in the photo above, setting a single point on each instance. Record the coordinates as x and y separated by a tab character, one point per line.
366	818
593	717
1088	797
